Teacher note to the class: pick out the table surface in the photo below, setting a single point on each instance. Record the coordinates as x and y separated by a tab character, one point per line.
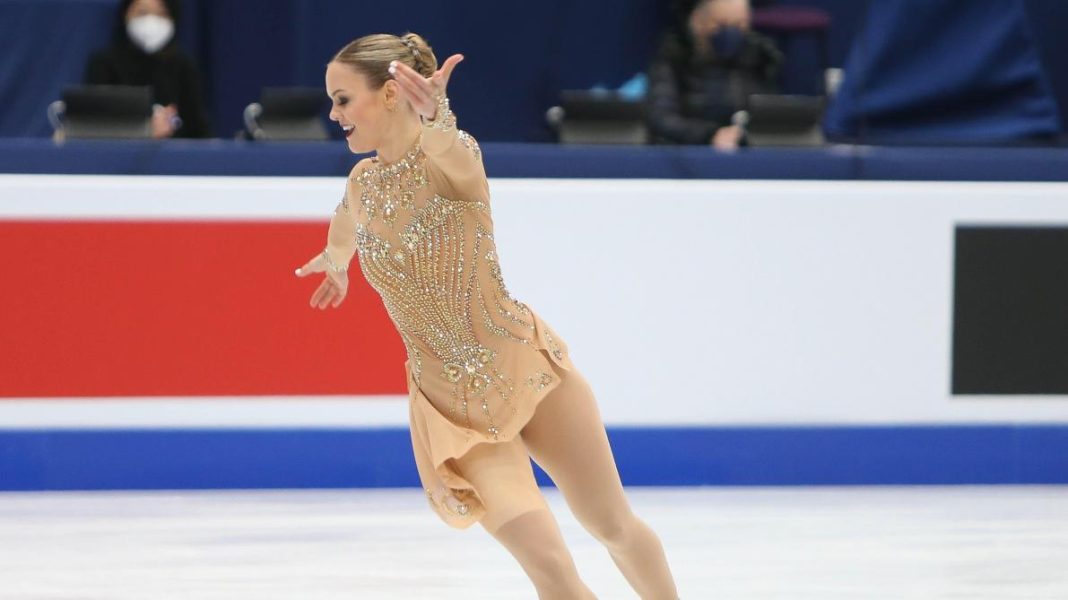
224	157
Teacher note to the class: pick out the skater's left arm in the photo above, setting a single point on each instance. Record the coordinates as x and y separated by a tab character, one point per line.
453	154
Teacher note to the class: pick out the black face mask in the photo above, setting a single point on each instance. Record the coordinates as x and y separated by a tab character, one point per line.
727	41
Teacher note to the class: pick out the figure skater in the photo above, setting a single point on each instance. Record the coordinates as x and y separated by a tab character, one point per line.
490	383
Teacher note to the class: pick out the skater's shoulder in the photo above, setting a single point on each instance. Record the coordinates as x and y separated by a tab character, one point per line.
359	168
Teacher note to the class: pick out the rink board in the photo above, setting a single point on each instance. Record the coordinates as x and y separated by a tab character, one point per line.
747	332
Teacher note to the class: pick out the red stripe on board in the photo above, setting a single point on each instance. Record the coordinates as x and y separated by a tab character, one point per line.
182	308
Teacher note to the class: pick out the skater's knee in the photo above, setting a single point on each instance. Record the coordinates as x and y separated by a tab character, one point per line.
534	539
550	567
612	529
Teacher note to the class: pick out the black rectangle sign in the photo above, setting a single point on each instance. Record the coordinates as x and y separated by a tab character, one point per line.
1010	310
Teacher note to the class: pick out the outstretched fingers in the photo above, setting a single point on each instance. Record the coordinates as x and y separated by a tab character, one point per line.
423	92
320	293
445	72
332	290
413	85
314	265
340	291
327	294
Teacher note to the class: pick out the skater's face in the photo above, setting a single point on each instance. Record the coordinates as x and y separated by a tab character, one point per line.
362	112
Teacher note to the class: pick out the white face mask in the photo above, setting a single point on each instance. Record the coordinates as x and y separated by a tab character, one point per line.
150	32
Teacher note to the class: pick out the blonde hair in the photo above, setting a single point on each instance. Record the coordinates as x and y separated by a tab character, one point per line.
371	55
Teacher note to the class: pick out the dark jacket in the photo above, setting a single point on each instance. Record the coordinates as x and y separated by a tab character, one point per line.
691	94
170	72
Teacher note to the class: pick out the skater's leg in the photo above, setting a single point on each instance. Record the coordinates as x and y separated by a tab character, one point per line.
518	517
567	438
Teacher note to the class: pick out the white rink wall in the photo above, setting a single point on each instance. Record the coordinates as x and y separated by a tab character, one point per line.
683	302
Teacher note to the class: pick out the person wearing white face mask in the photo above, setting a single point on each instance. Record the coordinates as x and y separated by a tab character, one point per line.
150	32
144	51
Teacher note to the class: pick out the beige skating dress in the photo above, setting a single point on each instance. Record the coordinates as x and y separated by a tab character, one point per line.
478	359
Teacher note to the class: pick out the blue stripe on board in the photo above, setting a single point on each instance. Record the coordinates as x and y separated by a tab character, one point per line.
317	458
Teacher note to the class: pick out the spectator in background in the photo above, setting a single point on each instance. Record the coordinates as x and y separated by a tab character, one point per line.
143	51
704	73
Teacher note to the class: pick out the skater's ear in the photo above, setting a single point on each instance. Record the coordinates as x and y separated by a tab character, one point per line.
390	92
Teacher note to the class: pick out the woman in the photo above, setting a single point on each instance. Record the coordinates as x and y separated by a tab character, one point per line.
490	384
705	71
144	52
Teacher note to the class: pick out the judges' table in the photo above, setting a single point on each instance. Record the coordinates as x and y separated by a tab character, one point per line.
219	157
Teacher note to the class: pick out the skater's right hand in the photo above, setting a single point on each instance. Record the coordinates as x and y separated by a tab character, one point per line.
333	289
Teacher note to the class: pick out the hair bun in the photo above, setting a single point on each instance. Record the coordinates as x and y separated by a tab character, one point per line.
423	57
371	55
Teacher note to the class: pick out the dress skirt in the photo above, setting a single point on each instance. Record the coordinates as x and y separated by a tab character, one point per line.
437	441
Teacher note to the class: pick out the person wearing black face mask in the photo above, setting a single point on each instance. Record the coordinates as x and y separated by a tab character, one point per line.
143	51
704	73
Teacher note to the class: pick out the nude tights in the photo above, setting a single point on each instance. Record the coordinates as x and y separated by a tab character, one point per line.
567	438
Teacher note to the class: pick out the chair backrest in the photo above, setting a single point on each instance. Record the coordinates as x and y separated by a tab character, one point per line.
287	114
589	117
107	111
784	120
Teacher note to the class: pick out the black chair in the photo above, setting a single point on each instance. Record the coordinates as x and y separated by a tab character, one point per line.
102	111
783	120
594	117
287	114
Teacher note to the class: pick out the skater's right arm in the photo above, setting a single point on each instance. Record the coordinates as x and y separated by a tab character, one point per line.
340	247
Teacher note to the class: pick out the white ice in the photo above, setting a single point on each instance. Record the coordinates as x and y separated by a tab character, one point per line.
894	543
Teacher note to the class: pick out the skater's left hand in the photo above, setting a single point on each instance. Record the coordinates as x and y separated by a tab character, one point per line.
423	92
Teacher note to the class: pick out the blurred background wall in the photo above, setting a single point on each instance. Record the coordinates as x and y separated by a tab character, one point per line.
519	56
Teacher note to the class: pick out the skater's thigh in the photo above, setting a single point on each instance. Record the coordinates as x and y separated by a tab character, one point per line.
502	476
568	440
